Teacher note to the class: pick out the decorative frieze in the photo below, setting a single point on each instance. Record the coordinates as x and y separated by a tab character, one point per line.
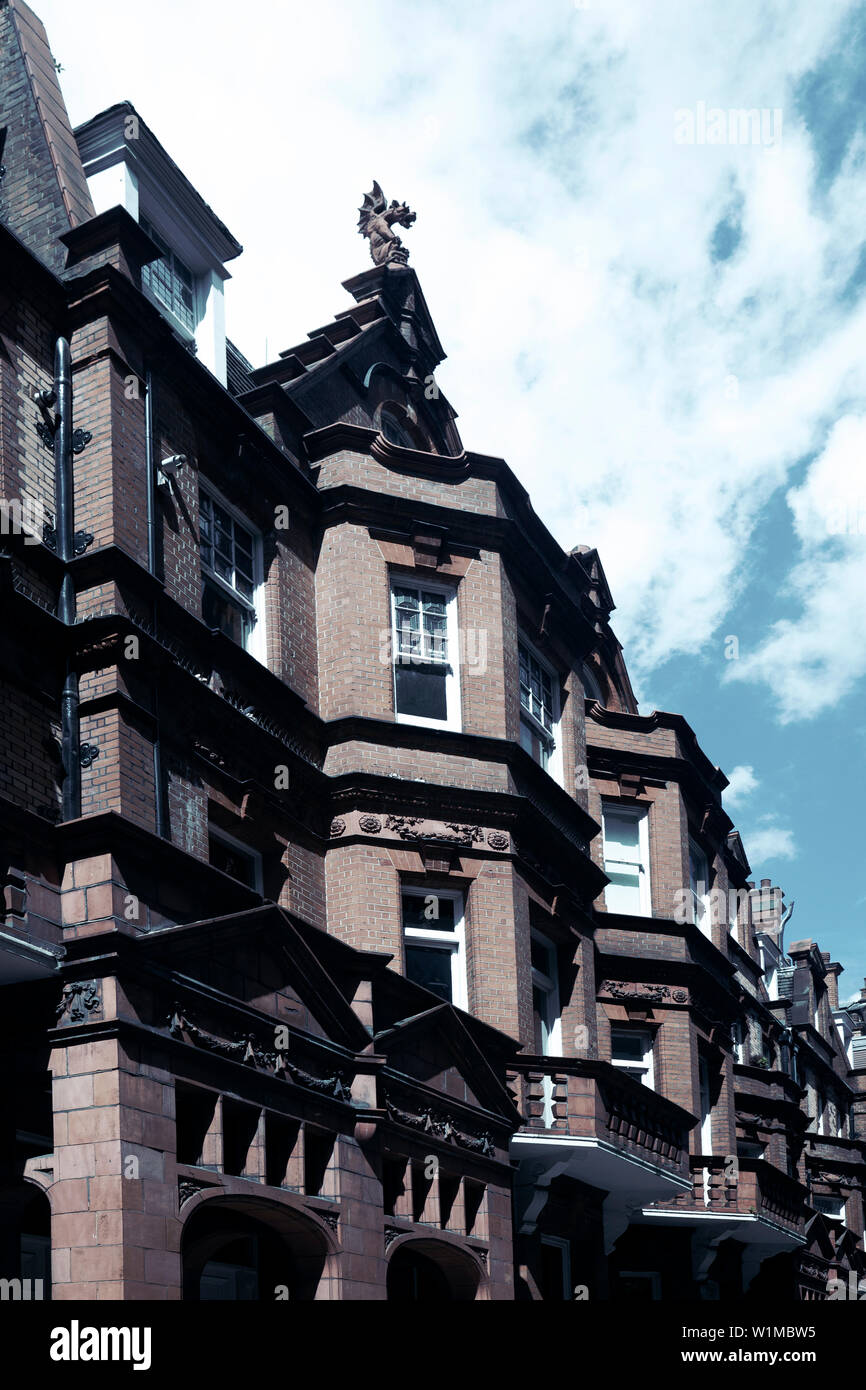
439	1123
245	1048
653	994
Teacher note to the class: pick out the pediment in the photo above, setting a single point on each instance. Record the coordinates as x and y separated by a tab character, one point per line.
262	960
437	1050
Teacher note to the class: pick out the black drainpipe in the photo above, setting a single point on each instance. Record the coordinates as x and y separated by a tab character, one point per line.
160	809
70	735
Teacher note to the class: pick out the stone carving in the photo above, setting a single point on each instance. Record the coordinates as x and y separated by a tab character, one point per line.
441	1124
79	1001
338	827
404	825
247	1049
453	834
496	840
330	1218
187	1188
376	221
371	824
632	989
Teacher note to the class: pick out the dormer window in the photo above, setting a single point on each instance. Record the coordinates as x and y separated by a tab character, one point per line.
186	282
395	430
170	281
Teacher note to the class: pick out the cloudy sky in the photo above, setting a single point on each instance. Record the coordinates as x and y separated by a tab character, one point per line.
653	309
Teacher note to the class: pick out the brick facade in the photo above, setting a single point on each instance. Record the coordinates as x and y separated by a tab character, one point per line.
230	1080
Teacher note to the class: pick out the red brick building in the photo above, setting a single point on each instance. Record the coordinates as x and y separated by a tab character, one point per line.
361	940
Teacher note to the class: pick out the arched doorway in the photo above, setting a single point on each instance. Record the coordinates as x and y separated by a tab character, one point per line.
25	1238
239	1251
429	1271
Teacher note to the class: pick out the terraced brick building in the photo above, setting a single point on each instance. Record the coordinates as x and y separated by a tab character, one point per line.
360	938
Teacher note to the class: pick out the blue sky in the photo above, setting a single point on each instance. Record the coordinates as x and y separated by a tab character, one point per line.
654	310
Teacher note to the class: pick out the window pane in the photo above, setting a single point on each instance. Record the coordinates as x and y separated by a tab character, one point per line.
622	894
542	1020
218	610
420	691
232	861
430	966
536	691
621	837
428	913
630	1047
541	956
536	745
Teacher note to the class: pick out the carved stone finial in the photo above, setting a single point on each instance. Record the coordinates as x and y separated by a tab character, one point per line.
375	223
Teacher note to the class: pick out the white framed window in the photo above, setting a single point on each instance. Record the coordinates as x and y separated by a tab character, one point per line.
830	1205
234	858
631	1049
231	574
699	888
170	281
539	710
706	1104
425	654
434	942
625	831
555	1269
545	996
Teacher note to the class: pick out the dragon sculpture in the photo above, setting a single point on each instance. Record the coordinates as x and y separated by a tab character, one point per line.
376	221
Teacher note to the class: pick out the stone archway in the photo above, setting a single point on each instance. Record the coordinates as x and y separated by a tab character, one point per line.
248	1250
431	1271
25	1239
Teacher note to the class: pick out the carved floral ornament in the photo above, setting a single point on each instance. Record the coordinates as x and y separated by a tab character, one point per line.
423	831
654	994
439	1123
248	1049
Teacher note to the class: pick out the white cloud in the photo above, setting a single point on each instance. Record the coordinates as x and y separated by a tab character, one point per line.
813	660
652	399
741	783
769	841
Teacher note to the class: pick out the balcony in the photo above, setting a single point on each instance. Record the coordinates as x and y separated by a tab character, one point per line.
589	1120
752	1202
